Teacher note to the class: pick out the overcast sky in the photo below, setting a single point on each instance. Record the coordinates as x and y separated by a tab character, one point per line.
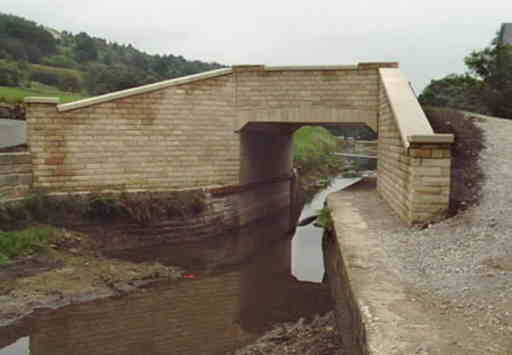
429	37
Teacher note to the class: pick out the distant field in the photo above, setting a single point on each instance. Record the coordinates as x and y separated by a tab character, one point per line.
13	95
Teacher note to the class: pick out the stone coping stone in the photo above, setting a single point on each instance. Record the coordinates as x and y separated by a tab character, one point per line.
192	78
139	90
398	319
41	100
432	138
407	112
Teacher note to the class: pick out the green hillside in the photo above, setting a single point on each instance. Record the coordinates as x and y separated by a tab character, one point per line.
39	60
14	95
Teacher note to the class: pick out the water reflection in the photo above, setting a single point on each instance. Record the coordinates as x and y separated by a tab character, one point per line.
243	284
307	257
21	346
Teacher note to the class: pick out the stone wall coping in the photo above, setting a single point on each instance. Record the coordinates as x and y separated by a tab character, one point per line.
143	89
369	65
407	112
432	138
42	100
191	78
310	67
14	153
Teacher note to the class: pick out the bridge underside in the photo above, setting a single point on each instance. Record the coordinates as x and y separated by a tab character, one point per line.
287	128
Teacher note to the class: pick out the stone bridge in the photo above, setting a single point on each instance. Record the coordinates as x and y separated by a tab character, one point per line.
229	131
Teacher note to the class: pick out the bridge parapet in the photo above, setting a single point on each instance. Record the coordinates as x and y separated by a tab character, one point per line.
413	162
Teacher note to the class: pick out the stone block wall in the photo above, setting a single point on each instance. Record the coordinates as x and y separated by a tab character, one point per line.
191	133
324	95
349	319
392	162
413	171
233	127
429	179
182	135
176	138
15	174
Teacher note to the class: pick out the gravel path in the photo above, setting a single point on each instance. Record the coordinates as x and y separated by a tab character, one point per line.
464	264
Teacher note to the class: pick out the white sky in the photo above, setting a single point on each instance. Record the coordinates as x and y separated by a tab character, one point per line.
429	37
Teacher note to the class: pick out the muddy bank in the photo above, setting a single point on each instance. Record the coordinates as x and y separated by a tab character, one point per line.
61	276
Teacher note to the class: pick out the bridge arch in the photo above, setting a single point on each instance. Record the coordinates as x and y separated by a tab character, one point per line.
230	130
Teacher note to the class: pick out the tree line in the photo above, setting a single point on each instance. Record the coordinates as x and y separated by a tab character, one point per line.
80	62
486	87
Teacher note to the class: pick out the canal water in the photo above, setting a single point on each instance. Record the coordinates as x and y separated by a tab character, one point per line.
307	257
240	286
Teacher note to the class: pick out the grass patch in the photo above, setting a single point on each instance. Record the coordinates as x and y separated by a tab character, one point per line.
313	157
25	242
313	151
324	219
15	95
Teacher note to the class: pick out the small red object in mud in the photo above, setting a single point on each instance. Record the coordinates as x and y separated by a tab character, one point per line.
189	276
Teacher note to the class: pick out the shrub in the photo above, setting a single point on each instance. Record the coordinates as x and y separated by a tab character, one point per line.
45	77
60	61
10	74
68	82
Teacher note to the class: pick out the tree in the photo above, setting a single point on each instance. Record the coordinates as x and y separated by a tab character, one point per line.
454	91
85	50
493	65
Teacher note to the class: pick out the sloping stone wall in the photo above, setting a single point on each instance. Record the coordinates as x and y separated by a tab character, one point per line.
413	170
175	138
392	162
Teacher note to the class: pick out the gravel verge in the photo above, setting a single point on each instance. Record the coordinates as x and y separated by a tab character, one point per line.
465	262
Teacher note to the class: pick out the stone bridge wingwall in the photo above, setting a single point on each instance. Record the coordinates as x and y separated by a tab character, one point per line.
413	162
230	128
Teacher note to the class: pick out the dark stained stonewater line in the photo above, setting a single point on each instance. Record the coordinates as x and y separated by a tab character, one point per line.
242	284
